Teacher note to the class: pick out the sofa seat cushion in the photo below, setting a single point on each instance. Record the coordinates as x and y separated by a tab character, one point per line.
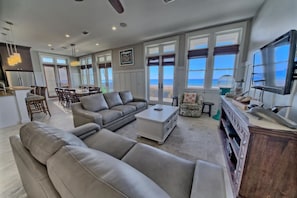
126	96
171	173
110	115
138	105
190	106
94	102
113	99
43	140
110	143
126	109
85	172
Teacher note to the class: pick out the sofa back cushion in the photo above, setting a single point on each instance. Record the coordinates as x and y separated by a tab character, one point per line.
113	99
43	141
94	102
173	174
85	172
33	174
126	96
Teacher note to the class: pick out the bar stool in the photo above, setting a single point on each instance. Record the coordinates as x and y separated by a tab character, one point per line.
209	104
37	103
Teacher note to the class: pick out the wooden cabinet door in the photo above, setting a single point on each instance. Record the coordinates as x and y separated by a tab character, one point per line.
271	165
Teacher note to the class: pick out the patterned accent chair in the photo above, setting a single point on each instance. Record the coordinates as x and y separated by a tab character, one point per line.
190	104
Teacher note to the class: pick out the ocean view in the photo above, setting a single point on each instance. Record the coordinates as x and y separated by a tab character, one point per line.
191	82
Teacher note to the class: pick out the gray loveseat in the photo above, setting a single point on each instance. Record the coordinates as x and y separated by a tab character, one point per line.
109	110
89	162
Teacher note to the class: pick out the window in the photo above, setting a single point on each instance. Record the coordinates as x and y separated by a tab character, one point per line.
225	54
61	61
105	72
86	71
47	60
197	57
153	50
212	53
169	48
199	43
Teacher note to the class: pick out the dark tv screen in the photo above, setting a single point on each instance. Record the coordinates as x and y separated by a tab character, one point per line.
274	64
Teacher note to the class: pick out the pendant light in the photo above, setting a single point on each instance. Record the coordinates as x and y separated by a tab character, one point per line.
13	56
74	63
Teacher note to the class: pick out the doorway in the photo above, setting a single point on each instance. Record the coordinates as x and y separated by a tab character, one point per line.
50	78
161	79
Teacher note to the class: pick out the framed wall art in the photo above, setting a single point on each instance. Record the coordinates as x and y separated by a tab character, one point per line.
126	57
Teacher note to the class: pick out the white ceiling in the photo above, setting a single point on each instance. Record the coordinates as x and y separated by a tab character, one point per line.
40	22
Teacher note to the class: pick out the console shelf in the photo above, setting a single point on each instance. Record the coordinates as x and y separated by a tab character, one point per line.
262	161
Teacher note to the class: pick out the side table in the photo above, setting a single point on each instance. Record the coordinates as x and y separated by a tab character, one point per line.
209	104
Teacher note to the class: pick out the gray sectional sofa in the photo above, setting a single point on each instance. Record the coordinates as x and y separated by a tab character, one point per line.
108	110
89	162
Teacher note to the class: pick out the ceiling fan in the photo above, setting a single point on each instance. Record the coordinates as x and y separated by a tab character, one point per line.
117	5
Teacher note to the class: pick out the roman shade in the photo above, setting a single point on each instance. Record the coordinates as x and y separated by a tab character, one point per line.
198	53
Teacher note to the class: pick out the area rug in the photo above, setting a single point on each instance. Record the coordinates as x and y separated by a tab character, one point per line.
192	139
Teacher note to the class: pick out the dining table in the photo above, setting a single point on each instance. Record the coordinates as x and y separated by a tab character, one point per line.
85	92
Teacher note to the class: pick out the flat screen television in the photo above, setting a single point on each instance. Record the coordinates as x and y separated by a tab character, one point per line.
274	65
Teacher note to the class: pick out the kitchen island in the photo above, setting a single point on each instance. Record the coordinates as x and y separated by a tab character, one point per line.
13	108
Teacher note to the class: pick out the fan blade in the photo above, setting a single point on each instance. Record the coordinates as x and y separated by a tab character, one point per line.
116	4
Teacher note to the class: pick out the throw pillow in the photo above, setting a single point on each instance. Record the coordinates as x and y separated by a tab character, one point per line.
189	98
94	102
113	99
126	96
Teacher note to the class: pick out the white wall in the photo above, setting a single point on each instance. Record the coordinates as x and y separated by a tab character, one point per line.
132	80
273	19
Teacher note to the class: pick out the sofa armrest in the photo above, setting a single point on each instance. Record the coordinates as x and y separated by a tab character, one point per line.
85	130
208	181
200	100
141	100
82	116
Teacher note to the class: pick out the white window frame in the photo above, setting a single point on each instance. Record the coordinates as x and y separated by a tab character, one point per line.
211	45
105	55
86	61
54	57
160	43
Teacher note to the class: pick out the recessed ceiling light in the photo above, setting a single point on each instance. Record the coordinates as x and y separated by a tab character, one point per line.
67	35
85	32
97	44
168	1
123	24
79	0
9	22
5	28
49	45
114	28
